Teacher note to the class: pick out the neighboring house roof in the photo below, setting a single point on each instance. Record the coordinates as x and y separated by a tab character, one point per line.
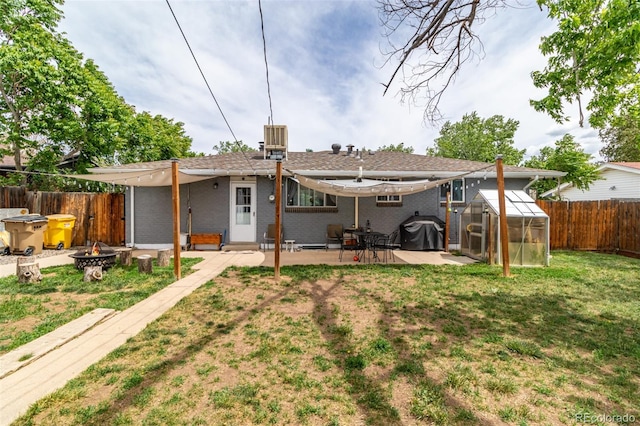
628	167
380	164
8	162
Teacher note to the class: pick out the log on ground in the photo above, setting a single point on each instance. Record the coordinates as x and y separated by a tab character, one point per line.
126	256
145	264
164	257
92	273
29	273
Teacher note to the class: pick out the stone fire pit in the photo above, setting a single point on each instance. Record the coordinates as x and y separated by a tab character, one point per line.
98	254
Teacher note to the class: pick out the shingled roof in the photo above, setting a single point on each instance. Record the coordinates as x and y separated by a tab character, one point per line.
379	164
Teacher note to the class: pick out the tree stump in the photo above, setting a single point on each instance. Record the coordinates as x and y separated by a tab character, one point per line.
126	256
92	273
29	273
164	257
24	259
145	265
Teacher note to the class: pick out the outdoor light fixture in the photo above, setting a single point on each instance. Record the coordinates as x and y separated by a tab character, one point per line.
215	185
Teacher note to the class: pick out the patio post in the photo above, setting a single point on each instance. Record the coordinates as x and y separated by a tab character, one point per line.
175	197
277	242
504	236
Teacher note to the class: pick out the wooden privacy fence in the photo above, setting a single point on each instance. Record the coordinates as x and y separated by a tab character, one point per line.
99	216
607	225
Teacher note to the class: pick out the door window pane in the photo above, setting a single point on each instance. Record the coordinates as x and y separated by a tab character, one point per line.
243	206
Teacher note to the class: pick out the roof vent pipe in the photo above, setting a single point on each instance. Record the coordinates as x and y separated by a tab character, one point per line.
336	148
349	150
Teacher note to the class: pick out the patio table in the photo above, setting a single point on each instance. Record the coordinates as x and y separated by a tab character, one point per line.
368	240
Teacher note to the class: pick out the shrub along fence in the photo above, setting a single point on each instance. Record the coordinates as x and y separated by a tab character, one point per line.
608	225
99	216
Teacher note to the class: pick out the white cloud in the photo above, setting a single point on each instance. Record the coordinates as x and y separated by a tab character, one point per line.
322	62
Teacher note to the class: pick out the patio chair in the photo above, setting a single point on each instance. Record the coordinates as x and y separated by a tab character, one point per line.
334	234
386	244
270	236
349	242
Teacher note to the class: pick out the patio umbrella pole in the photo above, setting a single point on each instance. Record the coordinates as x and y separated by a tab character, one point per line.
357	204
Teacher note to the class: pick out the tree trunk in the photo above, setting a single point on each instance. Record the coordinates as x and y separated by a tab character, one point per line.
29	273
92	273
24	259
164	257
126	256
145	265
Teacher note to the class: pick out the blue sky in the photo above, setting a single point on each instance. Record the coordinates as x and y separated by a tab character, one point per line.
325	65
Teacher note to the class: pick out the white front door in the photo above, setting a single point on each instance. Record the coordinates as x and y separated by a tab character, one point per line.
243	212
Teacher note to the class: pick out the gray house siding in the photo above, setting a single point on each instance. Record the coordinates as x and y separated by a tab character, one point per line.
210	211
154	215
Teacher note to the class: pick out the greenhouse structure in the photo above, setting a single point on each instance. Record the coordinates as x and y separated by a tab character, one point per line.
527	229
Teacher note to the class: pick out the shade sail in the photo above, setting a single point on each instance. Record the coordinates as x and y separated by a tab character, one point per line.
151	177
368	187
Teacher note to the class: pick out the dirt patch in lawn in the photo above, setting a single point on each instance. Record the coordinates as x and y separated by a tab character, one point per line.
380	345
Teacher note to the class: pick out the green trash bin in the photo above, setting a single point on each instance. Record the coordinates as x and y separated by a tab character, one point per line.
59	233
26	233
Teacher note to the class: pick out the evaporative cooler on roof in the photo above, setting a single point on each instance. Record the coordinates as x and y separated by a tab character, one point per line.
275	139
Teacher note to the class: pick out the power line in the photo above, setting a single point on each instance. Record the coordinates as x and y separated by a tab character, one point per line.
266	64
235	139
201	73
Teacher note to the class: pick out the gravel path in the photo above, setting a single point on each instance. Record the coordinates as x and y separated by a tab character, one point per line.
7	260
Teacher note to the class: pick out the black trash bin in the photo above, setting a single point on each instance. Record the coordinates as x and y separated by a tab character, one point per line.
422	233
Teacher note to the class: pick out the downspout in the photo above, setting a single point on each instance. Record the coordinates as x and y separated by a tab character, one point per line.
527	186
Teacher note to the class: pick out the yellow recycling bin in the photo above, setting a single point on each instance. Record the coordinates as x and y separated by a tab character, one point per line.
59	233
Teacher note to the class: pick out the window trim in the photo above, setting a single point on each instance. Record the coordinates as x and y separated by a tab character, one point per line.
464	193
387	202
298	207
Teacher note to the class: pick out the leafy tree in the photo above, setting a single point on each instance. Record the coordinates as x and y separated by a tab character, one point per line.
39	75
97	131
622	141
53	103
569	157
595	49
397	148
478	139
153	138
225	147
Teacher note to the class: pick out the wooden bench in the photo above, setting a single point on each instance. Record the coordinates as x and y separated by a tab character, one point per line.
209	239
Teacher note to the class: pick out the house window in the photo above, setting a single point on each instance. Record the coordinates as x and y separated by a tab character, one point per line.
395	198
301	196
456	188
389	198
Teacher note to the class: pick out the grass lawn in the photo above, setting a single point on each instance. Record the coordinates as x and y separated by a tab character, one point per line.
379	345
28	311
